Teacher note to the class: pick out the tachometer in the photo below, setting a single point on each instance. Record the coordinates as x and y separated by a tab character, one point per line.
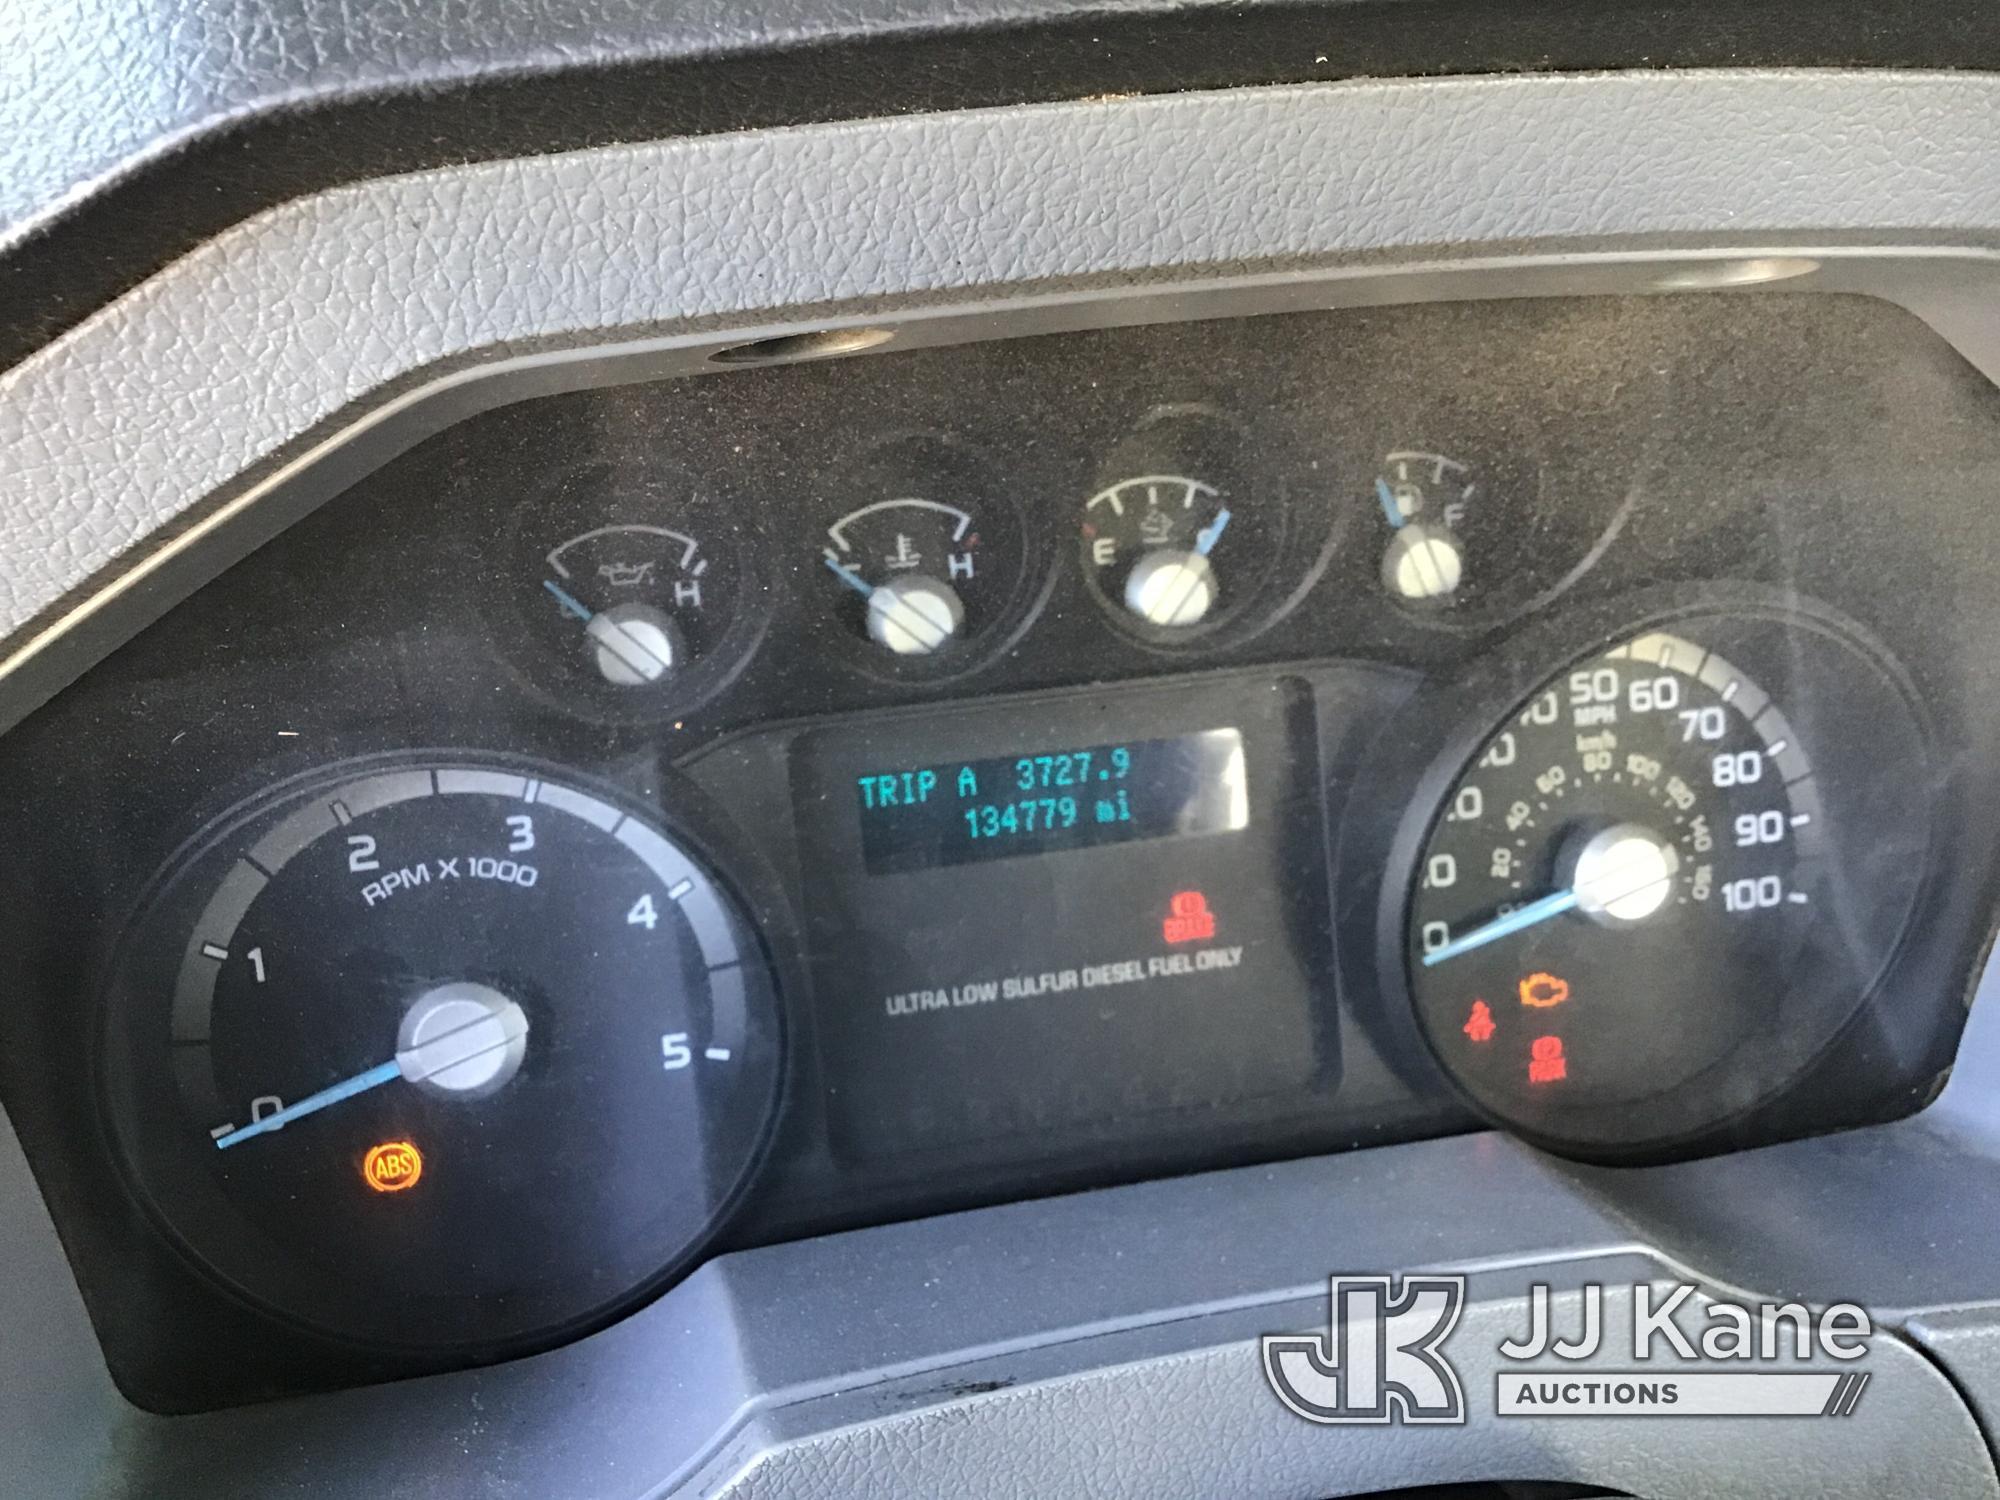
1641	906
440	1054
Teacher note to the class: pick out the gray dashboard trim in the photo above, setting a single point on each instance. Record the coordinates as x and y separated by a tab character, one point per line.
870	1362
217	378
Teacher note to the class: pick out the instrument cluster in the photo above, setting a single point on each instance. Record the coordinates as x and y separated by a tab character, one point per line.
655	820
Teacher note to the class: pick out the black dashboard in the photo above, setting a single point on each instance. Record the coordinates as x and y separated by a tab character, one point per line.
660	818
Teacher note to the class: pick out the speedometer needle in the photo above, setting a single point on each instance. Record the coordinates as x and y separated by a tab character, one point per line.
1623	875
1515	921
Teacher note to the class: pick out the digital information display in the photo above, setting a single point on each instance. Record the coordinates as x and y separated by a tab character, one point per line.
1003	806
1112	931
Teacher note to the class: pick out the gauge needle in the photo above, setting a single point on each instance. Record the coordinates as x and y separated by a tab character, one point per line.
1197	575
347	1088
916	622
611	635
1515	921
1623	875
851	578
1389	506
460	1043
1208	536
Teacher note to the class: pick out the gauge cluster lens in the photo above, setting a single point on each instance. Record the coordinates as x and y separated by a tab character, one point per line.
1644	905
441	1054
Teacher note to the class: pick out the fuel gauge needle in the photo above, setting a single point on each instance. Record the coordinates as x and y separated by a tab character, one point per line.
1209	535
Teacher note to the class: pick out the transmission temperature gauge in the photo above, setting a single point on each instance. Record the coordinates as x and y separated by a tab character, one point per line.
1473	537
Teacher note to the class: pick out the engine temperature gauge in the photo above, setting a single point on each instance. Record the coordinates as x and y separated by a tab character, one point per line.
927	562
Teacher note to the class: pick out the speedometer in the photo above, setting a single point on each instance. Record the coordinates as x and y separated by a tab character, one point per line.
1632	912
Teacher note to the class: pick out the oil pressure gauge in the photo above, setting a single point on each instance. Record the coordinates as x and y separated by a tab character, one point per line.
634	593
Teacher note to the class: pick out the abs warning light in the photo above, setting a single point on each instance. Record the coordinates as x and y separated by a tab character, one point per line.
392	1166
1479	1025
1188	919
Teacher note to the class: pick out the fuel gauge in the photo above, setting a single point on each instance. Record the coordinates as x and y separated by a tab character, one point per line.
1178	539
633	593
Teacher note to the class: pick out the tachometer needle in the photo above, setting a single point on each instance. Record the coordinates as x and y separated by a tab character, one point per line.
455	1028
347	1088
1515	921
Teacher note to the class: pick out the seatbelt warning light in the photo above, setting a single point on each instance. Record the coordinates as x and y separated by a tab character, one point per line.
1479	1025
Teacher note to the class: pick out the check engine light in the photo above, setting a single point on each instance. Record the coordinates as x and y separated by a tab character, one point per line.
392	1167
1189	920
1544	991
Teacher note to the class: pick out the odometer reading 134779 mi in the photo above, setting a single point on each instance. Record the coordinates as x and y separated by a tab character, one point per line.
1616	885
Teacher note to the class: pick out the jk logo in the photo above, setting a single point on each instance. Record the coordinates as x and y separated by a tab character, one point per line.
1379	1359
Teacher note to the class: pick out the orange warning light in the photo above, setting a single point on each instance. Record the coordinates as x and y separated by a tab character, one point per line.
1543	991
392	1166
1546	1063
1479	1025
